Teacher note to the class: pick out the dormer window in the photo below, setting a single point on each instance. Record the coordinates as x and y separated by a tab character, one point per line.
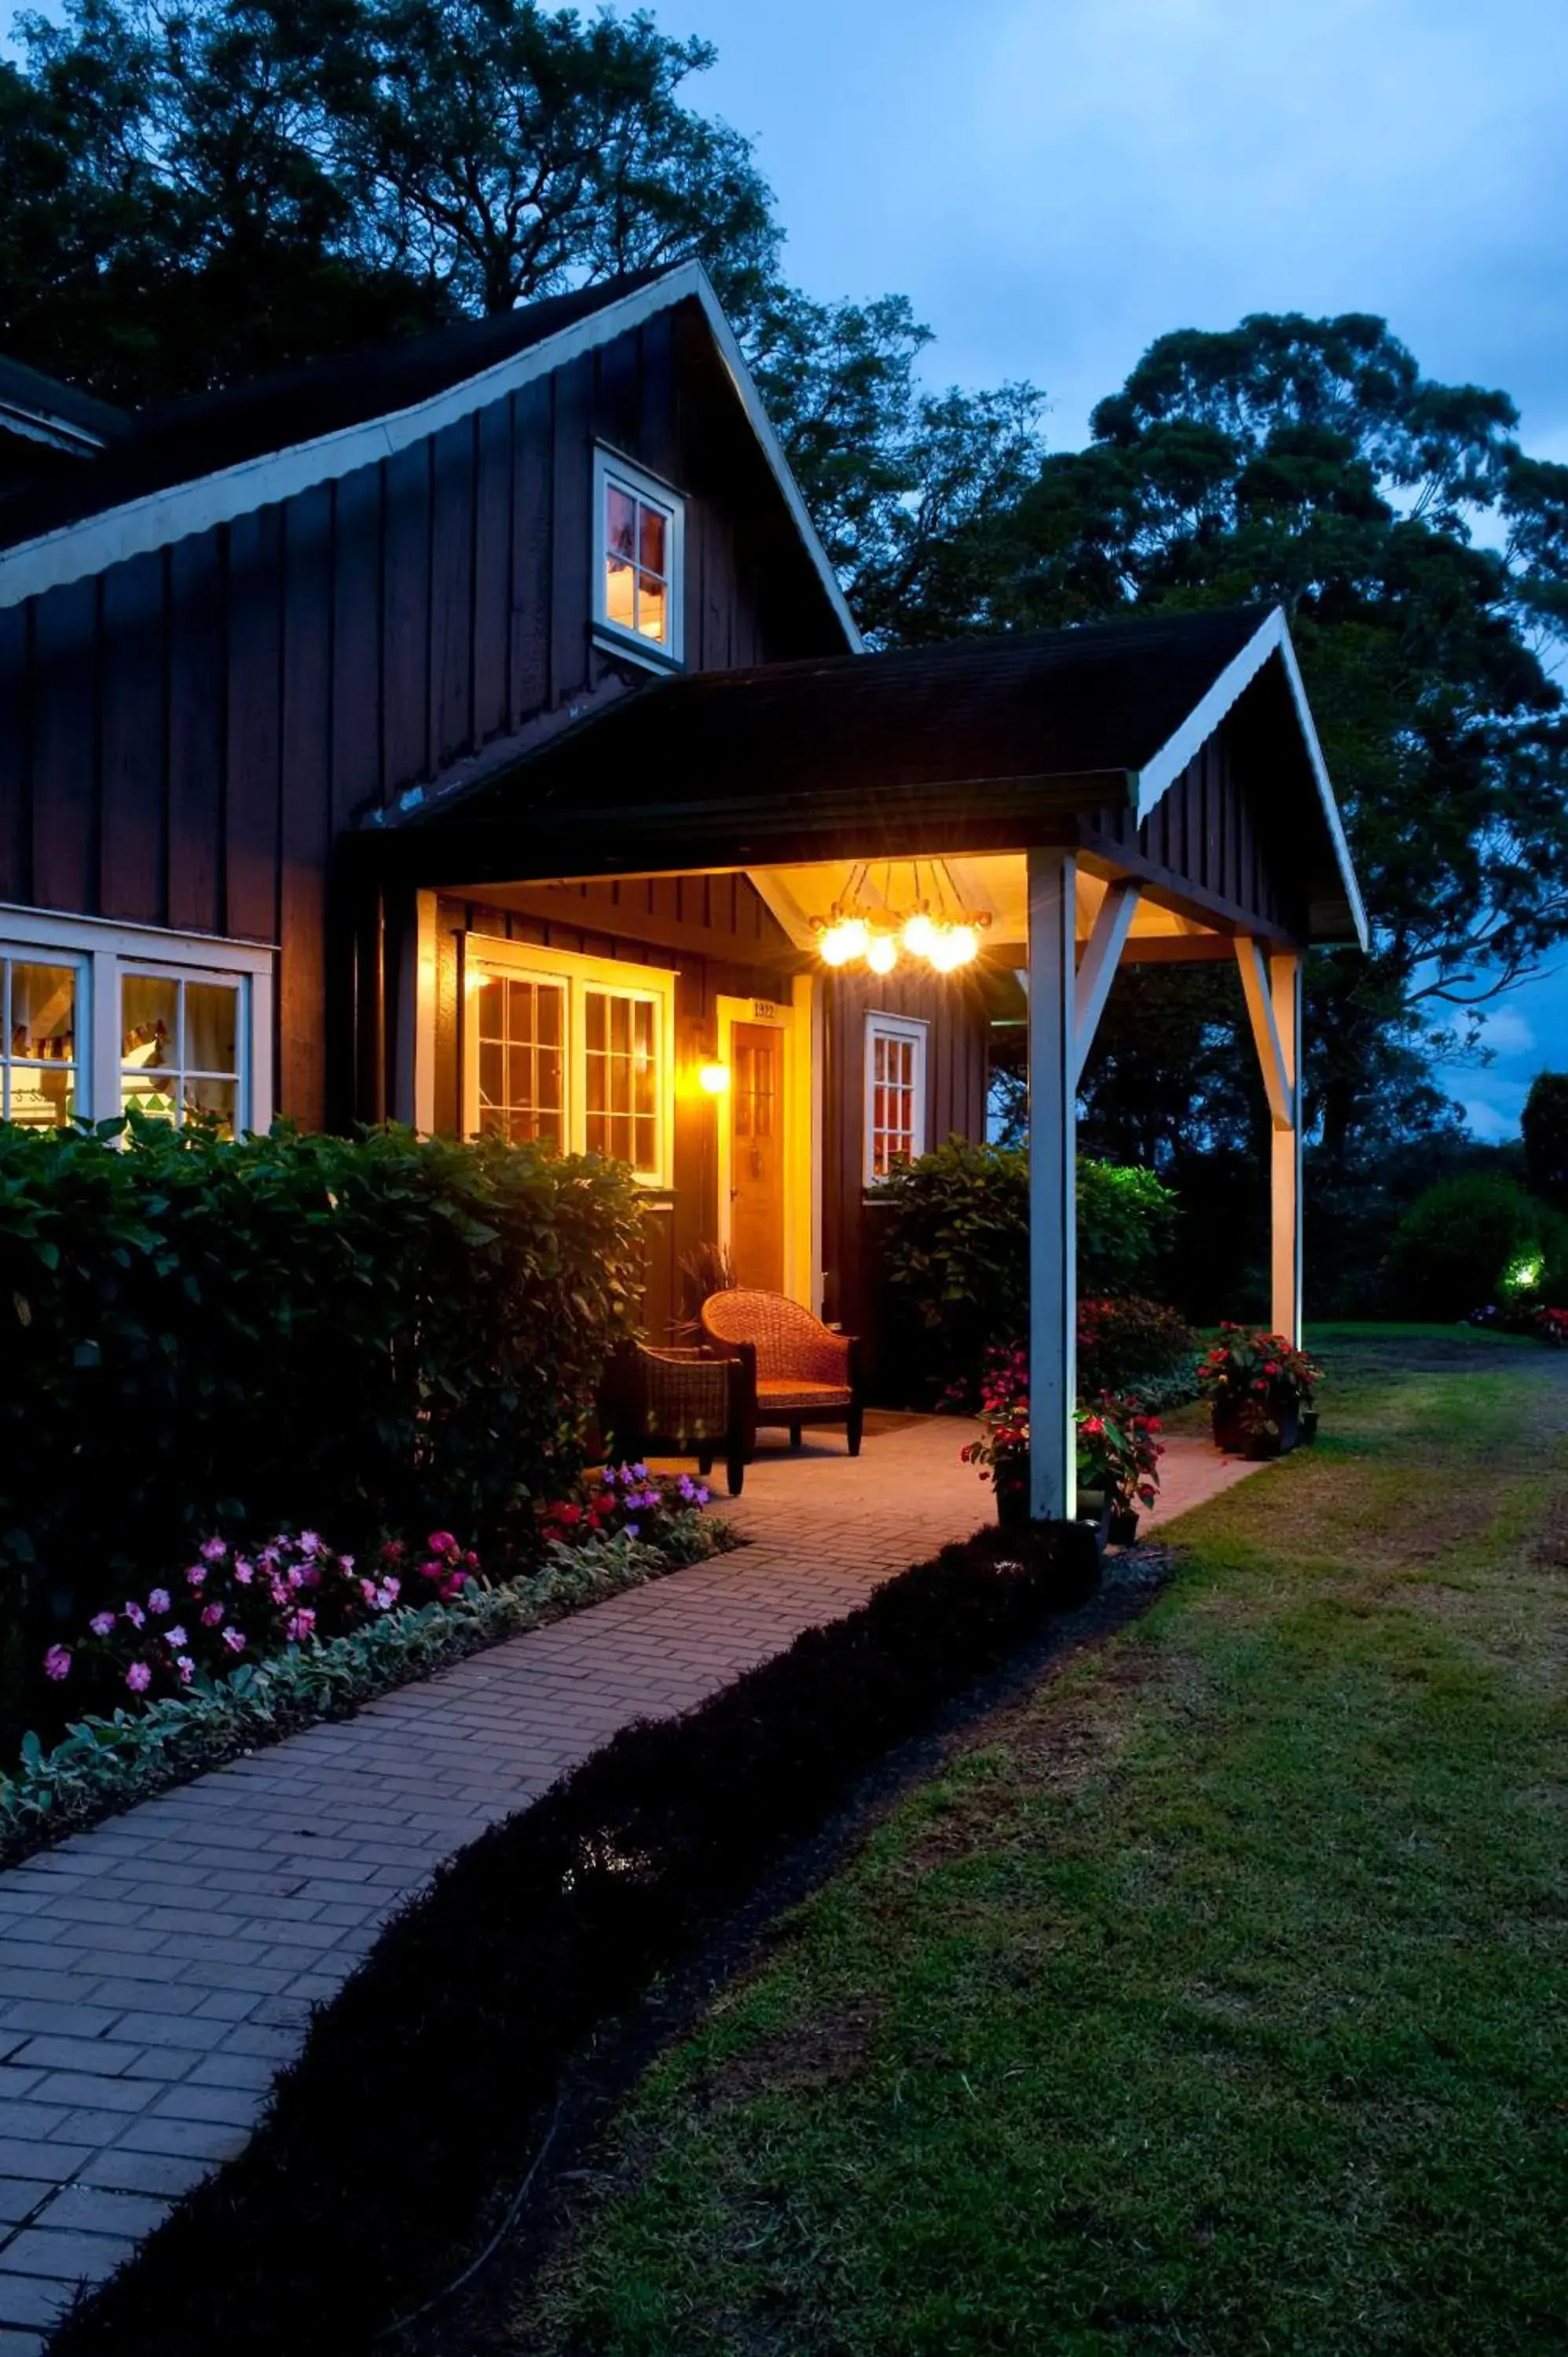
638	597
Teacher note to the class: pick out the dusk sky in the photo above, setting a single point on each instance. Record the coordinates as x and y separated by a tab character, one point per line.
1054	183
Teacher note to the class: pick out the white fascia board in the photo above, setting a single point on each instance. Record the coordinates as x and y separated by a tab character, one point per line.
1157	777
74	551
38	426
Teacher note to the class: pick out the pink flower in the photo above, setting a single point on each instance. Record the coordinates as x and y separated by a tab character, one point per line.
394	1551
210	1615
135	1616
57	1662
197	1574
346	1563
387	1593
244	1571
432	1570
296	1577
311	1543
368	1590
159	1601
235	1641
299	1626
102	1624
443	1543
175	1637
138	1677
214	1551
187	1669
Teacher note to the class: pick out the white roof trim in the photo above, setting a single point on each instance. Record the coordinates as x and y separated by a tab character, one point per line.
74	551
1156	779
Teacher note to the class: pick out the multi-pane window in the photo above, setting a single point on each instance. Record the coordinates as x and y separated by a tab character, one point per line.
522	1059
621	1077
40	1052
179	1048
894	1092
572	1052
640	531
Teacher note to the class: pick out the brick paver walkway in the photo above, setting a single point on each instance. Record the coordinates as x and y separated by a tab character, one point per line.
156	1972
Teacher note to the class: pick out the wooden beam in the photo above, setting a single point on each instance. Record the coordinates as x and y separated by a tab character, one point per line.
1178	949
1284	1178
1112	922
1053	1185
1279	1080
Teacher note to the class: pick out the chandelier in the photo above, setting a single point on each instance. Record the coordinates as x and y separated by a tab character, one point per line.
934	926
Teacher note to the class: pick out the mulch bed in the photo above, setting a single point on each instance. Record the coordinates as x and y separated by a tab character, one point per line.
430	2078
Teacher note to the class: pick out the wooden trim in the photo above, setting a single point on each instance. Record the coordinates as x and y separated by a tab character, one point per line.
1279	1078
1053	1186
802	1159
1107	939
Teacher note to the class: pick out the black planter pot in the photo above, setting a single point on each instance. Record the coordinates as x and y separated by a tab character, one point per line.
1094	1510
1013	1498
1124	1527
1238	1437
1308	1426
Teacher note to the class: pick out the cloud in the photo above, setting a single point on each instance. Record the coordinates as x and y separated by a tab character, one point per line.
1509	1034
1485	1122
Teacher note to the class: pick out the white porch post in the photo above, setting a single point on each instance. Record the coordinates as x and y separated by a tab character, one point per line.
1271	981
1053	1185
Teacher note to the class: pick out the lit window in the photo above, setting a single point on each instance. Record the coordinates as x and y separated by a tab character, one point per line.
572	1052
40	1068
180	1047
895	1094
640	527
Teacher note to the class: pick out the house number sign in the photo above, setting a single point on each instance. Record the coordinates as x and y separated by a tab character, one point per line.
763	1010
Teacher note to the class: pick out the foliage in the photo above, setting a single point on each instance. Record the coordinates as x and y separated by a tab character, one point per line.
1003	1443
1544	1126
659	1509
956	1250
1254	1377
1125	1344
1460	1240
364	1335
449	2043
1118	1453
104	1764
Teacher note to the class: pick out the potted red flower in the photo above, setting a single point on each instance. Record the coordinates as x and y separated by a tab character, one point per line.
1002	1451
1118	1462
1260	1386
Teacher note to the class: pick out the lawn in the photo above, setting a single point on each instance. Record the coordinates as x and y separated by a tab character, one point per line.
1212	1999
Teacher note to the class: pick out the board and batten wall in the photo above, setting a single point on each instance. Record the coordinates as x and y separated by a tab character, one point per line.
185	737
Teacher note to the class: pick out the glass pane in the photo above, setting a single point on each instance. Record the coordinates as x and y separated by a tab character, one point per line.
620	1011
645	1142
491	999
650	541
211	1100
43	1012
651	604
620	522
489	1072
596	1080
619	605
42	1097
149	1022
596	1021
549	1016
211	1027
520	1077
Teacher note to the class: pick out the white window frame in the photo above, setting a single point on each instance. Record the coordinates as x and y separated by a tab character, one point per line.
879	1025
485	952
609	469
101	950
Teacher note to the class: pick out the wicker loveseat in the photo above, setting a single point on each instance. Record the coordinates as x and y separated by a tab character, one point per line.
805	1373
657	1403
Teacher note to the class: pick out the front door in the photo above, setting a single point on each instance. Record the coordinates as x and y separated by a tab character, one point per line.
757	1156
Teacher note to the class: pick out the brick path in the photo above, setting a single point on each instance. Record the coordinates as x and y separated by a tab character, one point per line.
156	1972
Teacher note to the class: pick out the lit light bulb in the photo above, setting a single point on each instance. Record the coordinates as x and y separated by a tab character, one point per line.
712	1078
964	943
882	954
920	936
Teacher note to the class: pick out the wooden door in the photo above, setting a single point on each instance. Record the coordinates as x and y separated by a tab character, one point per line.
757	1156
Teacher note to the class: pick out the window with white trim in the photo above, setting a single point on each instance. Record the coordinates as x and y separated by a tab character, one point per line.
639	535
572	1052
95	1018
894	1092
40	1039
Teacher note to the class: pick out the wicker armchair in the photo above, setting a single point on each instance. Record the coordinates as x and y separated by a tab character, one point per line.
659	1403
804	1372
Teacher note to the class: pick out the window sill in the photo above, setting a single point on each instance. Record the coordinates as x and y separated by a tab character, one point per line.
626	649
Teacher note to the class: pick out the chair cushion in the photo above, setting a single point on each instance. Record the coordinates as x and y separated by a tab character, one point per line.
783	1394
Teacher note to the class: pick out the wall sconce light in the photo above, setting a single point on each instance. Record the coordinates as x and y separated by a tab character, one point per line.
712	1078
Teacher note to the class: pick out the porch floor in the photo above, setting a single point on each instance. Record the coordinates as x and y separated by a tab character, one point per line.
157	1971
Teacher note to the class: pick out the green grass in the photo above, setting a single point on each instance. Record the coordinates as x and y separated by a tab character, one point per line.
1213	2002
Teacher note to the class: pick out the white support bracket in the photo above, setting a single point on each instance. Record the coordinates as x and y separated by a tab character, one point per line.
1102	951
1279	1070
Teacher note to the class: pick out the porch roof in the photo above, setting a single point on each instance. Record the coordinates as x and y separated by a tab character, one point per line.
985	744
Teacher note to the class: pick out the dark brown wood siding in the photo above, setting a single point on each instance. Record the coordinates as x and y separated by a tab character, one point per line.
956	1072
185	737
1209	844
709	959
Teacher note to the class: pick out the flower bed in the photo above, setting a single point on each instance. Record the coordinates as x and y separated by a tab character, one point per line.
243	1650
425	2081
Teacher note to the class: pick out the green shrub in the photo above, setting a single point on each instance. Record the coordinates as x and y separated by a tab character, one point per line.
956	1248
1543	1124
1468	1242
373	1334
1135	1345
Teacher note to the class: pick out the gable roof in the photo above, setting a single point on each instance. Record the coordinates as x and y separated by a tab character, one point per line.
971	735
192	464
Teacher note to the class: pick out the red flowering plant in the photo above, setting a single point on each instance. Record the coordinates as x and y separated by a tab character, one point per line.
658	1509
230	1606
1003	1447
1118	1453
1552	1325
1255	1377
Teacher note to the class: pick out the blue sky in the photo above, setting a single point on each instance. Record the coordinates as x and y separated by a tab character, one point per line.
1056	182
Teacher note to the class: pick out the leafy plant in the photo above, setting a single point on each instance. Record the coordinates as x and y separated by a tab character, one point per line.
1462	1239
1255	1377
1118	1453
1135	1345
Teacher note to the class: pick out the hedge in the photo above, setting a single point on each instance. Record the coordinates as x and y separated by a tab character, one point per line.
1475	1241
371	1334
425	2082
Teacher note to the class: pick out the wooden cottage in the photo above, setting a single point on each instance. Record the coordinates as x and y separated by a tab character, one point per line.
475	732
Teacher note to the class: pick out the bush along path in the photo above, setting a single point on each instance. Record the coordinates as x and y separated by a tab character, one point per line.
1210	2000
432	2074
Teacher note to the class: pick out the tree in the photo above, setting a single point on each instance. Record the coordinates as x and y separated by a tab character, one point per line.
1544	1124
